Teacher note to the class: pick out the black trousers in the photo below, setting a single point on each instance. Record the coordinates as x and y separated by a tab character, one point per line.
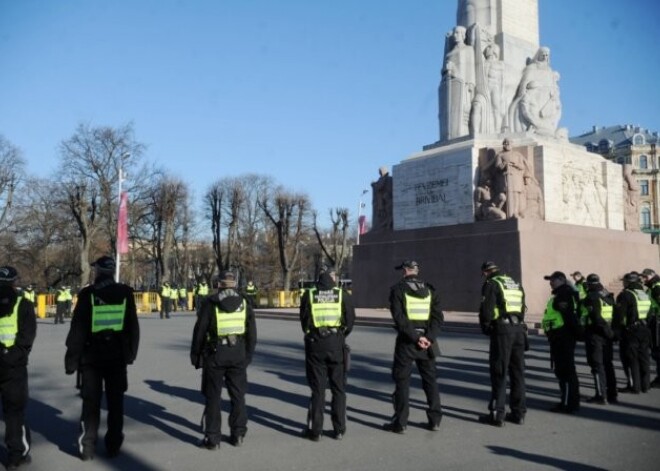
324	363
636	356
562	350
405	354
226	368
14	392
507	355
60	310
165	307
600	355
94	379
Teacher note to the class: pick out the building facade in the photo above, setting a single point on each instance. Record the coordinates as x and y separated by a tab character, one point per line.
634	145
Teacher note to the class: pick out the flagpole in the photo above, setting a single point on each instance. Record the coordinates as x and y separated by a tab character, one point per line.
360	206
118	256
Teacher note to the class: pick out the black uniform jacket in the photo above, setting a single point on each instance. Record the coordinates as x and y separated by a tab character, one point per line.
106	347
17	355
566	302
592	304
492	297
205	332
347	308
625	310
409	330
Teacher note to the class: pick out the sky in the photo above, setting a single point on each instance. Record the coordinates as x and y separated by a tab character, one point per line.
317	94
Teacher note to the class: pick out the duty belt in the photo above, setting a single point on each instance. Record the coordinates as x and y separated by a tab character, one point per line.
229	340
513	320
326	331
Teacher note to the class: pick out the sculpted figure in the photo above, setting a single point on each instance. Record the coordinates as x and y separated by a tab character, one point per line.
535	207
456	86
474	11
495	76
382	201
630	199
536	105
512	172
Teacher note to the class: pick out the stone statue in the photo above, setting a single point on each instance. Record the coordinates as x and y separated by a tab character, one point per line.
512	172
630	200
536	105
494	69
488	200
457	86
381	191
481	115
535	208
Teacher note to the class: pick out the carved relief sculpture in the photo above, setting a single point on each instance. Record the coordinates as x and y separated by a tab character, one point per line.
512	170
630	200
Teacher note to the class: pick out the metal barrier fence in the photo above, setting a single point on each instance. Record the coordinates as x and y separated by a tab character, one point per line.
149	301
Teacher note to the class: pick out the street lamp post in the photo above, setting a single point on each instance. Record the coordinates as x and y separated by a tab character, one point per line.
360	206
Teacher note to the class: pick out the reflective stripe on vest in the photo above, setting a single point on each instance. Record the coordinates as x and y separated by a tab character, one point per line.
107	316
552	319
511	293
418	309
326	307
9	326
643	302
231	323
251	289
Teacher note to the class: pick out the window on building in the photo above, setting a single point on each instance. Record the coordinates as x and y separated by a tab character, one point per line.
643	162
644	187
645	218
603	146
638	140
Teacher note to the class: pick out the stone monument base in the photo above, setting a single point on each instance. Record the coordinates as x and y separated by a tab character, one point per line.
450	258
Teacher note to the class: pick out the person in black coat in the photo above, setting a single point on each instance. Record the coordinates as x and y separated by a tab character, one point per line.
415	309
103	339
561	325
501	317
18	328
596	318
224	340
629	323
327	316
652	282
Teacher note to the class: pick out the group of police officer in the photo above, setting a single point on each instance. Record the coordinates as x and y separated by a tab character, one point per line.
104	339
585	310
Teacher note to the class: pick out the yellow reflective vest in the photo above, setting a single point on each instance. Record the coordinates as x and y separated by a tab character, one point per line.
231	323
418	309
9	326
326	307
107	316
512	293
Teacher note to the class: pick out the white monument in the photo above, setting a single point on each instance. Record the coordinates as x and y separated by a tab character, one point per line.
503	182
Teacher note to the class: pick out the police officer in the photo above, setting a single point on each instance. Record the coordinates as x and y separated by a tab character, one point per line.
30	295
251	293
560	323
60	305
580	284
165	300
327	316
224	339
102	341
415	309
201	293
652	282
596	318
174	298
183	298
501	316
18	329
629	322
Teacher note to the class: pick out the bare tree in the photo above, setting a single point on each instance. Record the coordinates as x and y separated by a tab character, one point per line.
335	248
287	213
11	171
169	197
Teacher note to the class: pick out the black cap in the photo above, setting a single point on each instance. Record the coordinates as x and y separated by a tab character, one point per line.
328	270
632	277
555	276
648	272
8	274
410	264
227	276
592	278
487	266
105	263
576	273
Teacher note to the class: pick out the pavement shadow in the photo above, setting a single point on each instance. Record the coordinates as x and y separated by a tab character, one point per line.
48	422
155	415
541	459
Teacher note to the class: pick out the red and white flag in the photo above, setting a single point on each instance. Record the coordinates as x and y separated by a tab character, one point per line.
122	224
362	224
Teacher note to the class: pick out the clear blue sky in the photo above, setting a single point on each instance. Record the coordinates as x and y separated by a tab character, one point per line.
317	94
